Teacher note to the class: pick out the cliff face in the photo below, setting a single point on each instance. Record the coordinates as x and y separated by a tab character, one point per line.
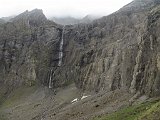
26	48
120	51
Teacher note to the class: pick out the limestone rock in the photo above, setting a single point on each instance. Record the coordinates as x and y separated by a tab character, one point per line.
119	51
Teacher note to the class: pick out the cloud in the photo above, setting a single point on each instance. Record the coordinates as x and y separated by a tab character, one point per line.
76	8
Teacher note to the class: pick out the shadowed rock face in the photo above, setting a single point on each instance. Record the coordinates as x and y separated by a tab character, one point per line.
117	51
27	46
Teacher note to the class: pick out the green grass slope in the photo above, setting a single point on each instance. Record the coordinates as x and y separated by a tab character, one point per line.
17	95
144	111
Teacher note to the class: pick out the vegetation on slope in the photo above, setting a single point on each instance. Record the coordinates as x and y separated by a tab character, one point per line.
144	111
17	95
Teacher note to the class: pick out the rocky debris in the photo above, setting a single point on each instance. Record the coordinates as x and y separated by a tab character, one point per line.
40	104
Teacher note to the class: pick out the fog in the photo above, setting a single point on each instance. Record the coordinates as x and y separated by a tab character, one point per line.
61	8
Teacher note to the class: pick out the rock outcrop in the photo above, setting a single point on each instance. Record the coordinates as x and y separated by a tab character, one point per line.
119	51
27	46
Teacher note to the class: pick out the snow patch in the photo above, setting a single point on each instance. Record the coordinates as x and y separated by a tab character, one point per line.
75	100
85	96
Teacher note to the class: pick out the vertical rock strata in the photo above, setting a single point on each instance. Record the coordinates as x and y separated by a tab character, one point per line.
120	51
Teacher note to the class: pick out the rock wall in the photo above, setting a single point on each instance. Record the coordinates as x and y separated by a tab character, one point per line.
27	49
120	51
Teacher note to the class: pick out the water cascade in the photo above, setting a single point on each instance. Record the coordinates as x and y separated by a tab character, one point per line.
60	58
50	80
61	49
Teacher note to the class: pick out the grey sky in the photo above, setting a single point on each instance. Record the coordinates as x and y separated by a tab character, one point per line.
58	8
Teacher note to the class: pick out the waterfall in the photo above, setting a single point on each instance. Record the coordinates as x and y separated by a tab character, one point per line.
61	49
60	59
50	80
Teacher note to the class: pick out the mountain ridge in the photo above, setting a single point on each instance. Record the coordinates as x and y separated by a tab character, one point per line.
114	61
71	20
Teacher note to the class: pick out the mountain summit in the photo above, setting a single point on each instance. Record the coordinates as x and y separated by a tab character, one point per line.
34	17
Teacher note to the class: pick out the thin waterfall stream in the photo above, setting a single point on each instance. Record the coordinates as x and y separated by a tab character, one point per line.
61	49
60	58
50	80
